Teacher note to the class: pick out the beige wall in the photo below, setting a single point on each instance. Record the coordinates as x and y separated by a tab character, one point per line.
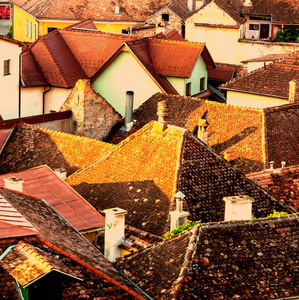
252	100
32	101
125	74
9	84
55	98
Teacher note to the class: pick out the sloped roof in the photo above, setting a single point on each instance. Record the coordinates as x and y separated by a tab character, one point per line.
42	182
232	260
130	11
264	58
63	238
27	264
283	184
144	171
174	35
31	146
272	81
221	73
60	58
180	8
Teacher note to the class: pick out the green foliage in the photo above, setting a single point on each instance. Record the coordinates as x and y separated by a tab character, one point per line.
253	217
289	34
9	33
277	214
181	228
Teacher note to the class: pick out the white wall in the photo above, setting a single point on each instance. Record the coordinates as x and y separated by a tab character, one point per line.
254	101
9	84
55	98
32	101
125	74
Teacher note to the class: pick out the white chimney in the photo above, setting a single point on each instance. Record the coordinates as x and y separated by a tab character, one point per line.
61	173
190	5
117	9
238	208
293	91
114	232
14	183
178	217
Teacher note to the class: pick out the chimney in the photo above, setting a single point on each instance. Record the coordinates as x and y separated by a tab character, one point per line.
14	183
190	5
162	113
271	165
202	133
114	232
293	91
178	217
238	208
200	3
129	122
117	9
283	164
61	173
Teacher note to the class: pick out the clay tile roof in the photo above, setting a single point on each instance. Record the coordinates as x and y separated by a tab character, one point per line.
230	260
31	146
221	74
4	136
269	57
42	182
283	184
144	171
130	10
174	35
84	24
60	236
273	80
179	8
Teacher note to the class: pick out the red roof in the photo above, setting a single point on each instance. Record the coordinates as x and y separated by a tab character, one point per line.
4	135
43	183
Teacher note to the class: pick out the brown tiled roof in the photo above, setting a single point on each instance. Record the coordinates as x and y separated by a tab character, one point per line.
269	57
283	184
31	146
174	35
130	10
55	58
144	171
42	182
273	80
180	8
232	260
244	138
221	74
60	236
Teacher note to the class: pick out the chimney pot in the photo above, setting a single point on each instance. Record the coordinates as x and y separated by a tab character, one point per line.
14	183
271	165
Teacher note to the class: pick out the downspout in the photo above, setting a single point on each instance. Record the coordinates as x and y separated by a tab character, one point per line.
44	98
20	82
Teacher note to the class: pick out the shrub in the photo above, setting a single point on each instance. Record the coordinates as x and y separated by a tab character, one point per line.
9	33
289	34
181	228
277	214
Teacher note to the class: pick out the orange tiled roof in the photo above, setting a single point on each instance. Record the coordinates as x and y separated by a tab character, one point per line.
31	146
99	10
273	80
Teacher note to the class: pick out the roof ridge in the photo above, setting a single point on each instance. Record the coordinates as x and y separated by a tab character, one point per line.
187	43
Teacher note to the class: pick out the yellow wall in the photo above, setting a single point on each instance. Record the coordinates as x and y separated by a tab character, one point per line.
251	100
20	19
125	74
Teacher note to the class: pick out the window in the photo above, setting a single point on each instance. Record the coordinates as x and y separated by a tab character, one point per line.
165	17
188	89
50	29
202	84
254	27
26	27
6	65
30	31
34	31
4	12
124	31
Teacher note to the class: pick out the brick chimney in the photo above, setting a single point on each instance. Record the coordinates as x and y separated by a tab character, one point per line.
178	217
14	183
293	91
114	232
238	208
202	132
61	173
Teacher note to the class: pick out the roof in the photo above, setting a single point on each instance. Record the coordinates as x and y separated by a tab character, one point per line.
272	80
59	235
257	137
163	58
4	136
174	35
283	184
253	259
27	264
264	58
221	73
130	11
144	171
42	182
30	146
55	58
12	41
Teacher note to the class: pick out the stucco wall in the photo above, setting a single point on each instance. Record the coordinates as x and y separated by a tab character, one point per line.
125	74
9	84
55	98
251	100
31	101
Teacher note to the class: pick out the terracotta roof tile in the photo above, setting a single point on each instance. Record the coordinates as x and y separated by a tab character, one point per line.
31	146
273	80
174	35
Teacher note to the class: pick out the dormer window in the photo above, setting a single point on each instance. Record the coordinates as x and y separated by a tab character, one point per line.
165	17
